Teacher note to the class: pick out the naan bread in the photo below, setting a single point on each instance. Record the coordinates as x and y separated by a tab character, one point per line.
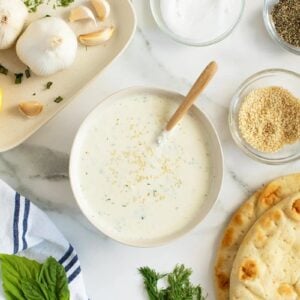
267	264
242	221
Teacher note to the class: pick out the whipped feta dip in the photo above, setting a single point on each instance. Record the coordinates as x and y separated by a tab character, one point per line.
134	188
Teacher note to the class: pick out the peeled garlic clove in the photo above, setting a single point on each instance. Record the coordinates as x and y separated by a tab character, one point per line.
81	13
98	37
13	14
102	8
30	108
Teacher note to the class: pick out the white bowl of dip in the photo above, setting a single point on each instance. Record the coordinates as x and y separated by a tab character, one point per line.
134	190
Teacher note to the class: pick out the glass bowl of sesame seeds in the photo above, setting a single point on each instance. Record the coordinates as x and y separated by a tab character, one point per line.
264	116
281	18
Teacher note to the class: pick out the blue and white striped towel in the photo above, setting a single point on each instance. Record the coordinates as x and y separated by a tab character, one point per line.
25	229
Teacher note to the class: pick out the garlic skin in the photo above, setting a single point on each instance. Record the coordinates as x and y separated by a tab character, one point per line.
47	46
13	14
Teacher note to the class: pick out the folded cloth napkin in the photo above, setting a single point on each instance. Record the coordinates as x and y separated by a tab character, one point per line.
25	228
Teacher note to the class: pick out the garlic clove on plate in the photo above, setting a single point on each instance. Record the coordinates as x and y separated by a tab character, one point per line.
13	14
102	8
30	108
98	37
81	13
47	46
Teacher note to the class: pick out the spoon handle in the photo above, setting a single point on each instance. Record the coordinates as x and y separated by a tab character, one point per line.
193	94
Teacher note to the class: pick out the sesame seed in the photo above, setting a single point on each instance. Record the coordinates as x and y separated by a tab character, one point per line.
269	118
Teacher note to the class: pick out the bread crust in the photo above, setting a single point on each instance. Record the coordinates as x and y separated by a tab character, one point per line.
240	223
271	271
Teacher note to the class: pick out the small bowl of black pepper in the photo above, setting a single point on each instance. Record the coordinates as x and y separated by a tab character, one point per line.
282	21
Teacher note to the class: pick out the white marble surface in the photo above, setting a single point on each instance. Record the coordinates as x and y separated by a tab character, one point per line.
39	168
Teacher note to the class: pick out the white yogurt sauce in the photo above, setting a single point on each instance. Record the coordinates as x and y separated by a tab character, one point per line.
134	188
199	19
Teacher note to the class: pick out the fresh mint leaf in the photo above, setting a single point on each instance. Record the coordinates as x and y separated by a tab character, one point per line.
53	275
25	279
32	290
14	268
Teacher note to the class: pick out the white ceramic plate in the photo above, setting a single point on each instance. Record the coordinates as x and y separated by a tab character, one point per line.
15	128
216	157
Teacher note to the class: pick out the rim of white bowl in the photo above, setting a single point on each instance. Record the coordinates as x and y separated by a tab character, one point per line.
273	33
191	42
174	236
239	141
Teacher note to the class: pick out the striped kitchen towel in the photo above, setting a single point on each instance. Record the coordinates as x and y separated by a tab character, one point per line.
26	230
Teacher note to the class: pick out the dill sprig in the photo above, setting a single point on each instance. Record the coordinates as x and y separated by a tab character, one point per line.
151	278
179	285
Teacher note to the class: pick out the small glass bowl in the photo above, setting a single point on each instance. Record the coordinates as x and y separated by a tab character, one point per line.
267	15
272	77
156	12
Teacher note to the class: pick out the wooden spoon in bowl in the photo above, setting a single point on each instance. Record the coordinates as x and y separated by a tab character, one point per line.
191	97
193	94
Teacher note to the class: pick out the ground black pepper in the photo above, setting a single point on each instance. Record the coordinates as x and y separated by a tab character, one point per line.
286	18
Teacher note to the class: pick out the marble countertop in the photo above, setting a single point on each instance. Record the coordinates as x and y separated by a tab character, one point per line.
39	167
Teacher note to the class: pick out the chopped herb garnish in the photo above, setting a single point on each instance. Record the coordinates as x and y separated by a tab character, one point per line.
64	2
3	70
34	4
58	99
19	77
48	85
27	73
47	16
179	285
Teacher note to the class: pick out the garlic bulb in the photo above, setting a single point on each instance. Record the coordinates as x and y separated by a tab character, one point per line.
47	46
13	14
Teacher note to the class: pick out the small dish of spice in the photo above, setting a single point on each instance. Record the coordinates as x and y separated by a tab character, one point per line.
197	22
264	116
282	21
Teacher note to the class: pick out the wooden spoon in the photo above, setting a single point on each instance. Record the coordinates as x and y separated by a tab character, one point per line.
193	94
